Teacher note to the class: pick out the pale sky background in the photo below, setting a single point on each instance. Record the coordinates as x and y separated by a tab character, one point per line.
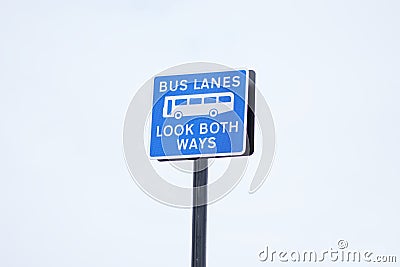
328	69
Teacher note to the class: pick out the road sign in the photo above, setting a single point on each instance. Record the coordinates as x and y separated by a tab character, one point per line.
203	115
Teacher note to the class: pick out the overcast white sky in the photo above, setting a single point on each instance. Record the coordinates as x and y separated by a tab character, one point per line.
328	69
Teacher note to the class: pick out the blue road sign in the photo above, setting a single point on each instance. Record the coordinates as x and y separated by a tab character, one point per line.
202	115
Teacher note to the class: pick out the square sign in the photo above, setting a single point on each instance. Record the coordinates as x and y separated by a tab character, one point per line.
203	115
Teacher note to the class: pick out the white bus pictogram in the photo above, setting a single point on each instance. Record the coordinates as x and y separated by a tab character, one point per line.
201	104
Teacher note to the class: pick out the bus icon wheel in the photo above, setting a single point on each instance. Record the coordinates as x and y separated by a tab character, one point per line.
213	112
178	115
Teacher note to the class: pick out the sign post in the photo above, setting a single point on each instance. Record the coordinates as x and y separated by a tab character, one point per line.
200	116
199	219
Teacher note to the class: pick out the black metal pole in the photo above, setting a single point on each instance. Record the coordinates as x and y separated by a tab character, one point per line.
199	219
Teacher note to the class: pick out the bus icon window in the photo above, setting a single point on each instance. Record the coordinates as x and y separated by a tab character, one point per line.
195	101
224	99
180	102
210	100
199	104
